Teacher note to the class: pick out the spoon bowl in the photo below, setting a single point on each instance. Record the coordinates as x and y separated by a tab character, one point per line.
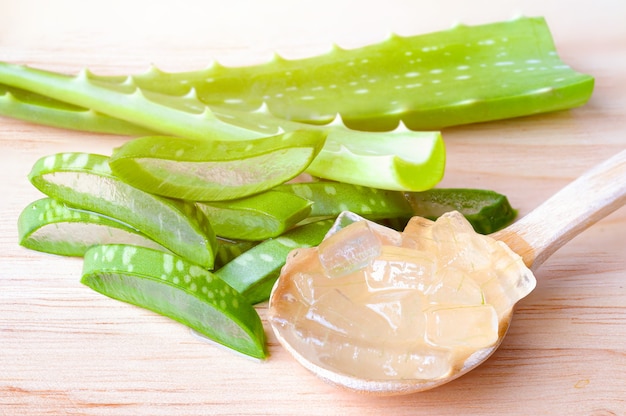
535	237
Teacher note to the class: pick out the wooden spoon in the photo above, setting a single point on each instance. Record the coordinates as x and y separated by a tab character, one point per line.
588	199
535	237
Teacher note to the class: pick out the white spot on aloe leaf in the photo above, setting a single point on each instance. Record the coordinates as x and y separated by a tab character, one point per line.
168	263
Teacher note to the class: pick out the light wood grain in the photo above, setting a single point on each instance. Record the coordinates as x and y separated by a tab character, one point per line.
595	194
65	350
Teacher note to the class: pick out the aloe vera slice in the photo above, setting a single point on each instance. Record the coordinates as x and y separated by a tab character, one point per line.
228	250
208	170
173	287
254	272
486	210
51	226
462	75
256	217
395	160
331	198
85	181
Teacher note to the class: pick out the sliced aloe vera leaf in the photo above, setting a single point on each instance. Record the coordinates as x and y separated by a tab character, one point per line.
331	198
257	217
396	160
462	75
404	161
207	170
488	211
173	287
228	250
85	181
51	226
254	272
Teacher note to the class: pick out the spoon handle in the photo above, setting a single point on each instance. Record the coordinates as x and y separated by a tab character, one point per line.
567	213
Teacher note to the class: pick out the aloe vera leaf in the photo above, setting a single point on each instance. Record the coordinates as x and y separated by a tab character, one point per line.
51	226
173	287
228	250
85	181
329	199
209	170
40	109
124	101
257	217
396	160
254	272
488	211
462	75
399	159
229	169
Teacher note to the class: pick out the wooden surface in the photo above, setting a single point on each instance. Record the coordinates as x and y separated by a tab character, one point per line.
65	350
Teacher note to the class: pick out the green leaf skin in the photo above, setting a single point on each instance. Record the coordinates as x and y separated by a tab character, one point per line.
173	287
486	210
208	170
228	250
399	159
331	198
258	217
462	75
254	272
404	161
125	102
85	181
51	226
40	109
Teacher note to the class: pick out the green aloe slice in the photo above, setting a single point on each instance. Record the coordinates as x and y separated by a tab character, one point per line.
488	211
208	170
173	287
228	250
329	199
51	226
256	217
85	181
254	272
461	75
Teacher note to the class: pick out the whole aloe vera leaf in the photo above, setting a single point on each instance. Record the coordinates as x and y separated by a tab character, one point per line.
257	217
40	109
85	181
124	101
210	170
462	75
399	159
171	286
51	226
254	272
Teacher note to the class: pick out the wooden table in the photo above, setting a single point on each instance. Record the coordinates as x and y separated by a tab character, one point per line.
65	350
